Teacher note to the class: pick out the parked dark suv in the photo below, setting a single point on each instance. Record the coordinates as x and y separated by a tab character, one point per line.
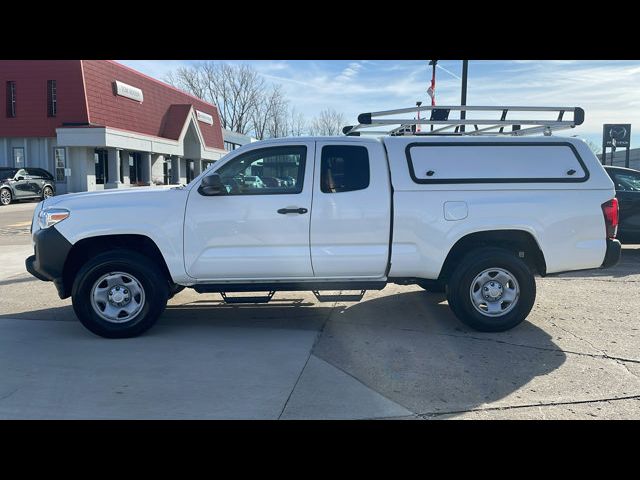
25	183
627	183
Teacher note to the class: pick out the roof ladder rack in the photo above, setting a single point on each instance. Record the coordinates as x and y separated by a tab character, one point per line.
441	124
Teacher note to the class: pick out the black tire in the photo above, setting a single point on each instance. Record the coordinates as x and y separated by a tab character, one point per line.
472	265
47	189
5	196
153	282
432	287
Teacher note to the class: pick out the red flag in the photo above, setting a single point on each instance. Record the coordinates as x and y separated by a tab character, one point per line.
432	89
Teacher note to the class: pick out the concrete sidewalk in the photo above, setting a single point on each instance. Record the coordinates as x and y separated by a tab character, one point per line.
12	259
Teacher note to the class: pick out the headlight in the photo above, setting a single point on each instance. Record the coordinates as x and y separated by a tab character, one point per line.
51	216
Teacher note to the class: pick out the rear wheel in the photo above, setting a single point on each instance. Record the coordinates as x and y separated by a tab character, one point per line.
5	196
119	294
491	290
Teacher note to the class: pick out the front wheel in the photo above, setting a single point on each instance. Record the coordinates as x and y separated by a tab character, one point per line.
491	290
119	294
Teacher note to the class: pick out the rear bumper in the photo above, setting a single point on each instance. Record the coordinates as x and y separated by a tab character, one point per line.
612	257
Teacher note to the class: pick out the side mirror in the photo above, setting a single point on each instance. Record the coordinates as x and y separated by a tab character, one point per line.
211	185
19	178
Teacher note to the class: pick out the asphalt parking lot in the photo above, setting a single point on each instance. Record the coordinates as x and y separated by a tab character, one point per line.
400	353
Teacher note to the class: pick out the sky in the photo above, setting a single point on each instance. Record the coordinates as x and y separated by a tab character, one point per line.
608	91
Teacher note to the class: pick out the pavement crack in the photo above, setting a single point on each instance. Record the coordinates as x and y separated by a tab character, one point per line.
429	415
619	360
368	386
602	354
7	395
315	342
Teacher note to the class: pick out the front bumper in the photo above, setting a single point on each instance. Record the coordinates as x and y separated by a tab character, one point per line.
612	257
51	251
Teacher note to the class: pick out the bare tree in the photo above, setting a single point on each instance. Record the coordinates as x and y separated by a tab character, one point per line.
269	118
188	79
279	108
595	148
297	123
234	89
328	123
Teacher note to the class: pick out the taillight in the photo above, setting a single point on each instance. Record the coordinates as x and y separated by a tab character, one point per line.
611	217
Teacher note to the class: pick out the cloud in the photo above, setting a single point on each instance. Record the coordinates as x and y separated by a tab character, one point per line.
350	72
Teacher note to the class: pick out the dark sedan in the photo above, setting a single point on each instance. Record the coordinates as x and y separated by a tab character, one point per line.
25	183
627	184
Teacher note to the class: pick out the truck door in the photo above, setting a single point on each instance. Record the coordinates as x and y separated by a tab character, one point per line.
351	214
256	229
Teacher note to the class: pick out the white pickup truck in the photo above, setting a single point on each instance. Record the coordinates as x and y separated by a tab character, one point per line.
474	217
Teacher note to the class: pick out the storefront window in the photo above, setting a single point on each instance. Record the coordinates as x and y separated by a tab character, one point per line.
102	167
60	162
18	157
166	170
190	170
135	168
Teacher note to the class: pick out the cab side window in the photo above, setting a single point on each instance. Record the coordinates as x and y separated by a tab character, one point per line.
277	170
344	168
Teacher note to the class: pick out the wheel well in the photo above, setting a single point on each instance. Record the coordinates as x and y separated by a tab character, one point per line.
87	248
518	241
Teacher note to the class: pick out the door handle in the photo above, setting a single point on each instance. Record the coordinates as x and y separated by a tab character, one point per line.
301	211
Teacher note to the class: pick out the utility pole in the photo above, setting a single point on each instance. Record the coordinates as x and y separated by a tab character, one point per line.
463	98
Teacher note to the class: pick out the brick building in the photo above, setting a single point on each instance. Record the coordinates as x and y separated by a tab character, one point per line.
97	124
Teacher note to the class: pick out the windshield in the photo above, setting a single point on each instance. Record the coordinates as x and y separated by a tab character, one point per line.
7	173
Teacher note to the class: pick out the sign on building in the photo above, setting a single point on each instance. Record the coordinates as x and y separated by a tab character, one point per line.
204	117
128	91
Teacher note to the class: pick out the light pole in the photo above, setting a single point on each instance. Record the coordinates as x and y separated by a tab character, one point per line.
463	97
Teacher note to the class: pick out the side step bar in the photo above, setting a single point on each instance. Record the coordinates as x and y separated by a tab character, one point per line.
340	297
265	299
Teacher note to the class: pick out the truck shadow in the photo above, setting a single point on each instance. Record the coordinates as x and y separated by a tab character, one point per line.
411	349
406	346
284	311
